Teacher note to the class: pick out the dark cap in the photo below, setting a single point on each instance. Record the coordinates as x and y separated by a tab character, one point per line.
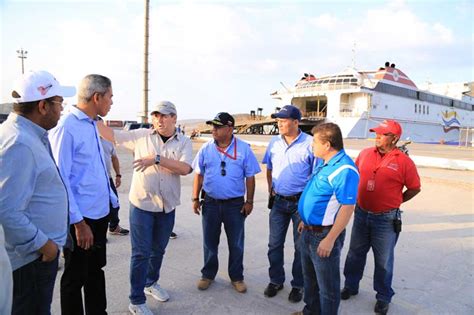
222	119
288	111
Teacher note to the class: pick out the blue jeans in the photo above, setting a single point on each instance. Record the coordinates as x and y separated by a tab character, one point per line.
321	275
150	233
282	213
33	286
214	214
374	231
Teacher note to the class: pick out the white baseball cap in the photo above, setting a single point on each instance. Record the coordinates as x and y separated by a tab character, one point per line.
39	85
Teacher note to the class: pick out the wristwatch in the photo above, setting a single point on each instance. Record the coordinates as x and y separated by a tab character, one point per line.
157	159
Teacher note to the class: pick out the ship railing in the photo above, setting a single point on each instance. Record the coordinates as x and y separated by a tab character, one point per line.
328	86
314	115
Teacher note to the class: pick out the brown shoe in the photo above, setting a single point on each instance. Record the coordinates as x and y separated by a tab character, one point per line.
239	286
204	283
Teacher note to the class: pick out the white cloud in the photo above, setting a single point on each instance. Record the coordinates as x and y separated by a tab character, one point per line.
325	21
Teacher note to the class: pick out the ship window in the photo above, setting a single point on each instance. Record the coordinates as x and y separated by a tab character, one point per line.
339	81
427	110
325	81
332	80
354	80
423	109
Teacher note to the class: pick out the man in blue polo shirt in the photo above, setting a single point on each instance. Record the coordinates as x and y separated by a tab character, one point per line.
289	159
225	171
325	207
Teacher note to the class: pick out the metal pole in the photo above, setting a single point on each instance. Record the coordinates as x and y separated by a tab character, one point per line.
145	70
22	55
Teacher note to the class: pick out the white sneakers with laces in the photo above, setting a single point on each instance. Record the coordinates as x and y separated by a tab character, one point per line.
157	292
140	309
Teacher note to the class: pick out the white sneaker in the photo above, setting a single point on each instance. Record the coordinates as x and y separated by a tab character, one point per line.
157	292
140	309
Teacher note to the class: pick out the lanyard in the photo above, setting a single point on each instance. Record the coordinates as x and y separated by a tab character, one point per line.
234	157
383	162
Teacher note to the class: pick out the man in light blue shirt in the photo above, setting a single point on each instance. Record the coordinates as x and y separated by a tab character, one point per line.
225	171
289	160
33	198
79	155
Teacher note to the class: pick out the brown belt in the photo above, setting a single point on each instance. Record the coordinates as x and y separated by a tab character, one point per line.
317	228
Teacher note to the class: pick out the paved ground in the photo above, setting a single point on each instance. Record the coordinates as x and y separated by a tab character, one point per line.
433	269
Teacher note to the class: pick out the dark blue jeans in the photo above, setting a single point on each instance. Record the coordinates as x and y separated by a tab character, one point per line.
376	232
214	214
322	278
33	286
282	213
150	233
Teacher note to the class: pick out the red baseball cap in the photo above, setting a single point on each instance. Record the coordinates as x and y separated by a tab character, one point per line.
388	126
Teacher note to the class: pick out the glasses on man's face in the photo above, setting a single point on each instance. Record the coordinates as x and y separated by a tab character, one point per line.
223	172
57	102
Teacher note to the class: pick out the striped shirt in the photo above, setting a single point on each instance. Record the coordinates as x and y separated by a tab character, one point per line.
333	184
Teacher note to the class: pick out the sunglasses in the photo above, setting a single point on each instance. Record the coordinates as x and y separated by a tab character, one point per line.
223	172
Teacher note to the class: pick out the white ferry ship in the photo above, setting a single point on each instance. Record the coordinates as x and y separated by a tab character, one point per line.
358	100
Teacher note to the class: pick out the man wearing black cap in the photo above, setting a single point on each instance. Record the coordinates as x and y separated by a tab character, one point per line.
289	159
225	171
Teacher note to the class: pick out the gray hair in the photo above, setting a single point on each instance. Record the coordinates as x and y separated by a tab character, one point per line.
92	83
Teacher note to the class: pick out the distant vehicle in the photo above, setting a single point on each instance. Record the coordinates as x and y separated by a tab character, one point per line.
132	126
114	123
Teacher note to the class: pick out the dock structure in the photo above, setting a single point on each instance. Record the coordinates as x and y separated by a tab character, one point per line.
263	126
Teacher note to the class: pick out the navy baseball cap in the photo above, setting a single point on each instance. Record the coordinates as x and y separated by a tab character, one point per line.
222	119
288	111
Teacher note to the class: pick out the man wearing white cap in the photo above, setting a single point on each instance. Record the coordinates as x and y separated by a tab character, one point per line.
162	156
33	198
80	158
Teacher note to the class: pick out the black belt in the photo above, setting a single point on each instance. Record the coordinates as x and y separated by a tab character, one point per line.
223	200
378	212
289	198
317	228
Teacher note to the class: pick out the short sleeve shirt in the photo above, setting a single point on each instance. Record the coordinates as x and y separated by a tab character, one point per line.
388	175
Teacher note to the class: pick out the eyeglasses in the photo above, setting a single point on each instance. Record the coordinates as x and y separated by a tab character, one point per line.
218	126
57	102
223	172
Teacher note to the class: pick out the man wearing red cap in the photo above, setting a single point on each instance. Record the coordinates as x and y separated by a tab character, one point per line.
384	172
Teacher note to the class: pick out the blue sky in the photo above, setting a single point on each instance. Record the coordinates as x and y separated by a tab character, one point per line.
211	56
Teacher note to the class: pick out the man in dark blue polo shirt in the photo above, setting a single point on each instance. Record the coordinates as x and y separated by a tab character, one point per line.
325	207
225	170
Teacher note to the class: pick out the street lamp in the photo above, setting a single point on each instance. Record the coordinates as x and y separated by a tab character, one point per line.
22	55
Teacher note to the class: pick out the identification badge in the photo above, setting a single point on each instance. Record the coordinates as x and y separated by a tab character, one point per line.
371	185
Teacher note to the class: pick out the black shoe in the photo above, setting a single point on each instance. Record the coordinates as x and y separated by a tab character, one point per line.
295	295
272	289
381	307
173	235
346	294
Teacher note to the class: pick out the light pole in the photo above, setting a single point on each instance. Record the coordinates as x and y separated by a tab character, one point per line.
22	55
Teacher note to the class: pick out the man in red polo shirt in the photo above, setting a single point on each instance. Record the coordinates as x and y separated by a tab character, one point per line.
384	172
